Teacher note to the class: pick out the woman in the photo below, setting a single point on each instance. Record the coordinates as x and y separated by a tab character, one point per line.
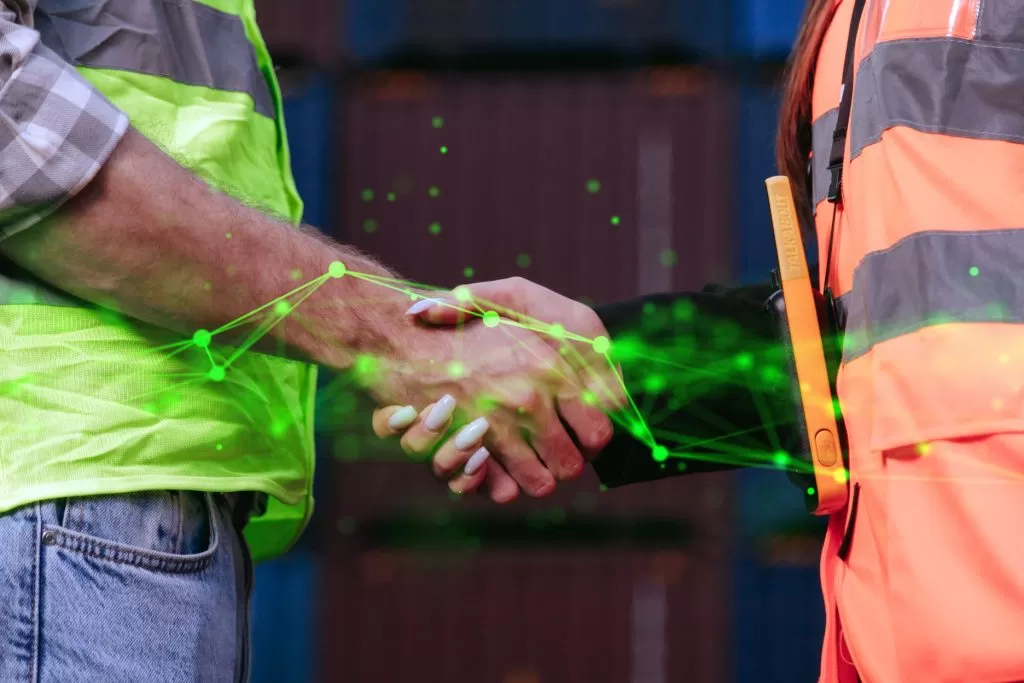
926	256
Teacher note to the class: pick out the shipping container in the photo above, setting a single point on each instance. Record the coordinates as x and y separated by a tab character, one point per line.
283	619
382	31
310	120
539	617
766	29
303	31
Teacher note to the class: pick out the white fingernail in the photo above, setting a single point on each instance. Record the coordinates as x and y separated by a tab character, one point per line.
471	433
476	461
402	418
440	413
422	305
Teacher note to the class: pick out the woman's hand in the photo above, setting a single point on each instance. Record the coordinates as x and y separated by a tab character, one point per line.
462	460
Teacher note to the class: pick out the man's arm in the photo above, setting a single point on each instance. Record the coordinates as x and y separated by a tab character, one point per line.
707	375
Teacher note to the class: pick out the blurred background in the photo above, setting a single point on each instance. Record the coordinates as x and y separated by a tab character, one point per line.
605	149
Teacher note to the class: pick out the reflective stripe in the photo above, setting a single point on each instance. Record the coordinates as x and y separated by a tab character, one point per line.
933	278
821	135
185	41
939	85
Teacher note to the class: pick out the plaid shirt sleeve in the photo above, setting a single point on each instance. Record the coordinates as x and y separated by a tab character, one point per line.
56	130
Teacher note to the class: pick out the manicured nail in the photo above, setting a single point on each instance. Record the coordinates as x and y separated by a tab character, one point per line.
471	433
476	461
440	413
402	418
422	305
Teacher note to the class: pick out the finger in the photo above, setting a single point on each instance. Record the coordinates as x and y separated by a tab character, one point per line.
456	452
473	473
393	420
421	438
553	444
520	461
467	300
501	487
591	427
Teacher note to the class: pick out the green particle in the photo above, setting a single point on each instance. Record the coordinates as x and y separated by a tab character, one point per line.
278	428
681	467
369	225
669	258
367	195
744	361
437	122
648	308
810	491
434	191
220	447
336	269
654	384
202	338
227	235
616	220
435	228
365	365
216	373
491	319
391	196
296	274
468	271
444	149
456	370
601	345
462	294
974	271
781	460
523	260
593	186
557	331
837	409
282	308
660	453
590	399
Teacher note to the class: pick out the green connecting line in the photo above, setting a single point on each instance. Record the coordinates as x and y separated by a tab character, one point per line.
688	370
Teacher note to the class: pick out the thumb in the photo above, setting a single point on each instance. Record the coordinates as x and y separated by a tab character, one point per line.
463	303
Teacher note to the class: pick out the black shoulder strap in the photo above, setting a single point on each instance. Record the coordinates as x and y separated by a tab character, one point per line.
835	160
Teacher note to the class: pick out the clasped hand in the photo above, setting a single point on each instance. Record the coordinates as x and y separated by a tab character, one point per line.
505	378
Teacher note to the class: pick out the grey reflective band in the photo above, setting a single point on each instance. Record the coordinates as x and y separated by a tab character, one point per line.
821	135
1001	21
939	85
932	278
183	40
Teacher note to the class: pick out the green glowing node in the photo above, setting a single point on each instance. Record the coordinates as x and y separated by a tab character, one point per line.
462	294
974	271
660	453
202	338
491	319
207	286
437	122
810	491
227	235
523	260
434	191
836	408
220	447
601	345
841	476
616	220
744	361
435	228
336	269
282	308
590	399
296	274
456	369
781	460
557	331
593	186
367	195
369	225
391	196
669	258
444	149
468	271
216	373
654	384
365	365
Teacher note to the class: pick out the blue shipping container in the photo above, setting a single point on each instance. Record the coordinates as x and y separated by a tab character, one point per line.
283	620
766	29
308	117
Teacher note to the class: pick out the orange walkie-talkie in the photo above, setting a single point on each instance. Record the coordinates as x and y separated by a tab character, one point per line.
808	334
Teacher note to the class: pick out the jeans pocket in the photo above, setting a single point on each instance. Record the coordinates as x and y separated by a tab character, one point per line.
163	531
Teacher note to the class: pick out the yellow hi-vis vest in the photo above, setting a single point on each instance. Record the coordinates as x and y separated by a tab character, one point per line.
91	403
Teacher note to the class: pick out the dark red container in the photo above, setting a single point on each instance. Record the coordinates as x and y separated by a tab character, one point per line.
510	618
307	30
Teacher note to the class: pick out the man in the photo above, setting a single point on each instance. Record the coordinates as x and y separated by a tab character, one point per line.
131	460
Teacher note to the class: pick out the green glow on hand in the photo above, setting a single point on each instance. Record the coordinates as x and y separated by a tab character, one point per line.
456	370
282	308
462	294
492	319
336	270
296	274
601	345
556	331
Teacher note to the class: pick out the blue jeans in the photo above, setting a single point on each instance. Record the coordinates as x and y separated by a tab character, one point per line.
141	587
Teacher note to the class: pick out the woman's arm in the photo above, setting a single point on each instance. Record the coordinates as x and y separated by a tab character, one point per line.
707	378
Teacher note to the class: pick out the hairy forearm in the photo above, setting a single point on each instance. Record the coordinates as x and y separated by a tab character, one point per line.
148	239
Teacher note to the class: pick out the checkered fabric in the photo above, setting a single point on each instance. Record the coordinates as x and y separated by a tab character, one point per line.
56	130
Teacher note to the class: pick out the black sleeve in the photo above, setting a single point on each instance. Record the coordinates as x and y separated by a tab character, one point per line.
707	378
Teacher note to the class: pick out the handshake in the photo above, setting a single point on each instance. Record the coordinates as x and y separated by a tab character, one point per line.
511	379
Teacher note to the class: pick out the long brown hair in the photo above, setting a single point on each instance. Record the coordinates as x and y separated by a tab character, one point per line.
793	141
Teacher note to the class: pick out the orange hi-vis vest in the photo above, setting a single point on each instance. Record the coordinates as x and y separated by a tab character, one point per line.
928	263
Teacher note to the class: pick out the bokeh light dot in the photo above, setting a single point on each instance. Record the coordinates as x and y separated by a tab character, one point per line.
434	191
660	453
456	369
616	220
468	271
367	195
437	122
593	186
444	149
523	260
435	228
369	225
282	308
974	271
